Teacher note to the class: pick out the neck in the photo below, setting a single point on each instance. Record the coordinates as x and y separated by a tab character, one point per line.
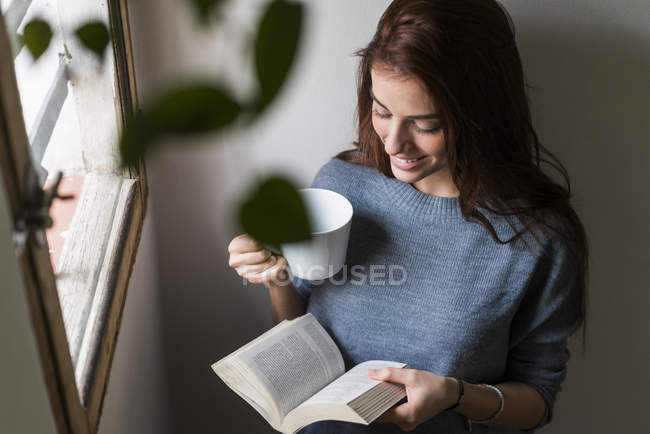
439	183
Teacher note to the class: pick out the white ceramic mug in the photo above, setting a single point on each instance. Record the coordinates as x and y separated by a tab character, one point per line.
330	215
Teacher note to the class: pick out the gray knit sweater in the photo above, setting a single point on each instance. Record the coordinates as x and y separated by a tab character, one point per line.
425	287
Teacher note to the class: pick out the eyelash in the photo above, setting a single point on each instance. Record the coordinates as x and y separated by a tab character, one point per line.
419	130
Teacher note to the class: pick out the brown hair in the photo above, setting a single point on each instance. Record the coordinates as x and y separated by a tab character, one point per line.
465	55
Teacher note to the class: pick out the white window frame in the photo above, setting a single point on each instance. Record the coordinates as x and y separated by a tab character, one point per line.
76	384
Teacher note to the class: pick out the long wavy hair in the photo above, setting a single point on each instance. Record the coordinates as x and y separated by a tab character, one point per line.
465	55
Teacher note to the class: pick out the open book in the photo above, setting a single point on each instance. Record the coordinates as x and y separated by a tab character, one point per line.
294	375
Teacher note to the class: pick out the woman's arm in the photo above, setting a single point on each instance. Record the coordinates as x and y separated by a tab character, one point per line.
523	407
429	394
286	303
258	265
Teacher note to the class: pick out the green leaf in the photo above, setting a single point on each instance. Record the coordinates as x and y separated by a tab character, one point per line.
276	45
186	110
94	36
275	213
194	109
37	36
205	9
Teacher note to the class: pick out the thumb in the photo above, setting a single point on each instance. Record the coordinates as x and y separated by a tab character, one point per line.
394	375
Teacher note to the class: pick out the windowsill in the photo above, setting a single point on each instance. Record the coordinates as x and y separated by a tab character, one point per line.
87	267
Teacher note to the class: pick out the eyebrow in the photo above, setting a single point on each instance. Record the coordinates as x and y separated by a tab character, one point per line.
414	117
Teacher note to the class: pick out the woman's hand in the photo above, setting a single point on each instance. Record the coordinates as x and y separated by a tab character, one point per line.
428	394
254	262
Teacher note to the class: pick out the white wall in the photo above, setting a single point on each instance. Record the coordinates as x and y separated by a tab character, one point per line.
137	398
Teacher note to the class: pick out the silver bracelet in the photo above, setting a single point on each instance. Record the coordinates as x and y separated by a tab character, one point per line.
496	414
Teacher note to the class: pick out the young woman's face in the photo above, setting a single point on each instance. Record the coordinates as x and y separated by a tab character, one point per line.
406	121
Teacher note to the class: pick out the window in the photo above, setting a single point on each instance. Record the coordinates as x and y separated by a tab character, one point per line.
61	116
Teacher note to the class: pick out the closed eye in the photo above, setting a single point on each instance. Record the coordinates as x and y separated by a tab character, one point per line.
426	130
414	124
381	115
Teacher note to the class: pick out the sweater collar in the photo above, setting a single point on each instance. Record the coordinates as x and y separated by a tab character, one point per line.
405	196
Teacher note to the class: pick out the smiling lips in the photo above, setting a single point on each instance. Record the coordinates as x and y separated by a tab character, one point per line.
407	160
406	163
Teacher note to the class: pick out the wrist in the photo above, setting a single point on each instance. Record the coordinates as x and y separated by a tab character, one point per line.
280	284
489	420
453	392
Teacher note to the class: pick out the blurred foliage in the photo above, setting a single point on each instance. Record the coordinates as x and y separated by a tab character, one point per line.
37	36
274	213
191	112
195	109
186	110
206	9
275	48
94	36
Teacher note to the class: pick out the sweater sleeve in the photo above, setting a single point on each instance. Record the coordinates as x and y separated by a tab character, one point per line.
548	314
303	287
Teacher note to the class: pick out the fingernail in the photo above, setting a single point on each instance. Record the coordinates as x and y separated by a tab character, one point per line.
372	372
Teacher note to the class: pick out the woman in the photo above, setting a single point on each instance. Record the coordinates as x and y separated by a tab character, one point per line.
446	182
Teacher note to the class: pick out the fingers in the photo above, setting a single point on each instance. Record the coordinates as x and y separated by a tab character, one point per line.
256	267
402	415
249	258
243	243
252	261
407	377
396	414
276	272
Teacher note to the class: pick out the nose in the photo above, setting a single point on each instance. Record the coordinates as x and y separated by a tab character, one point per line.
397	137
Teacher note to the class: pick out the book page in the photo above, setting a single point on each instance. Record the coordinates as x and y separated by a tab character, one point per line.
254	342
296	362
240	384
237	376
351	384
